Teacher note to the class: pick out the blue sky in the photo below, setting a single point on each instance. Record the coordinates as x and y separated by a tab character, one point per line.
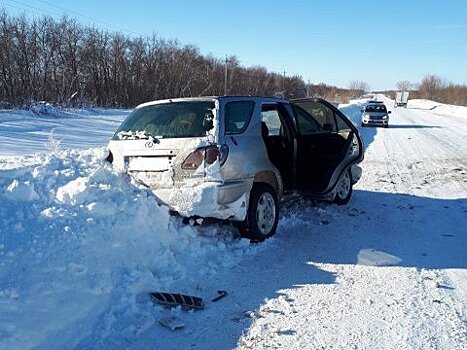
380	42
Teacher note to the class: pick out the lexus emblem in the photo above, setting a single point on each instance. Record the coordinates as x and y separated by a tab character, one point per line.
149	144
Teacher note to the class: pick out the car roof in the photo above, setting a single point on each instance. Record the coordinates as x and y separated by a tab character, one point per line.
213	98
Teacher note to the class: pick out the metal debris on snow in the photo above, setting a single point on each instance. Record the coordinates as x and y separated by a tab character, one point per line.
174	299
173	323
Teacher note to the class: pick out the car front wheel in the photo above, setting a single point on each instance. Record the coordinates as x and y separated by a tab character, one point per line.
344	188
263	212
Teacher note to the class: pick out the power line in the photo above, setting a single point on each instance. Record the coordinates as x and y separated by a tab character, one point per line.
24	5
67	12
87	17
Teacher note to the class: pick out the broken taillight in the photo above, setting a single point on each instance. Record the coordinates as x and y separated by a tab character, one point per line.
208	154
211	154
194	160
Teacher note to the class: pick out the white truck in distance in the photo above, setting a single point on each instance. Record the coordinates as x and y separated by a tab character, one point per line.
402	97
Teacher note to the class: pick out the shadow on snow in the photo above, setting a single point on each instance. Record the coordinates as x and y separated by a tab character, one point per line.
422	233
411	126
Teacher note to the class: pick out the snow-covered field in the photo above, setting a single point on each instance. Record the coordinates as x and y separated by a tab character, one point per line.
25	133
81	245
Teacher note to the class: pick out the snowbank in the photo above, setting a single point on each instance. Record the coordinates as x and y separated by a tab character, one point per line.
80	247
45	109
439	108
422	104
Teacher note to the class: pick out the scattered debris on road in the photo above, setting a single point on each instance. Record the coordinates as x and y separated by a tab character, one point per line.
174	299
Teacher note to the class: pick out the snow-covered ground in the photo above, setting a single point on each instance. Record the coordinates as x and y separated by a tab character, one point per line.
81	245
27	133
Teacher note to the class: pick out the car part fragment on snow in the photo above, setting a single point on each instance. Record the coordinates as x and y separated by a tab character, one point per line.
244	315
220	294
173	299
173	323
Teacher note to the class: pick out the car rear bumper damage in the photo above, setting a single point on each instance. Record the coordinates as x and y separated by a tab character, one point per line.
218	200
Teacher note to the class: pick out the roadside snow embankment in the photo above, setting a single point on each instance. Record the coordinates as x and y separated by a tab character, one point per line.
440	109
80	247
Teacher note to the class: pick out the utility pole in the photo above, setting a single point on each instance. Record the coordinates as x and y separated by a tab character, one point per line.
283	85
225	76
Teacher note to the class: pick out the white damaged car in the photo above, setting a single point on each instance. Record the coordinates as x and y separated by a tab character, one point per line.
235	158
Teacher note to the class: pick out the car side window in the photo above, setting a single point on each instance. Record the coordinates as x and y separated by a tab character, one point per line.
321	113
342	125
271	123
237	116
325	116
306	123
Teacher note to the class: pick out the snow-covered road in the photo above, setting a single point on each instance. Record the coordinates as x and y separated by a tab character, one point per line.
387	271
409	211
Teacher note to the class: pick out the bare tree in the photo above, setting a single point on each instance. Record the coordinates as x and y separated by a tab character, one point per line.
403	85
358	88
431	87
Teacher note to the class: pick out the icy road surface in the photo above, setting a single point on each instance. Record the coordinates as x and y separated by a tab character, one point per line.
81	245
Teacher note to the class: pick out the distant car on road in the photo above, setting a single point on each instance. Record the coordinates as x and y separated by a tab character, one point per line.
375	113
236	157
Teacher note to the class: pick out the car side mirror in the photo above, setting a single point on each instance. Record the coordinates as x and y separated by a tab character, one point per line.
389	112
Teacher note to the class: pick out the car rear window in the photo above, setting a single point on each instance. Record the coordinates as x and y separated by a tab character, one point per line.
376	108
168	120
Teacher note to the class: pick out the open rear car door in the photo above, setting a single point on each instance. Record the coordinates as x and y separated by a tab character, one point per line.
327	144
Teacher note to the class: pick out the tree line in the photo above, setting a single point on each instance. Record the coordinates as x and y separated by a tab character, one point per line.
65	62
68	63
435	88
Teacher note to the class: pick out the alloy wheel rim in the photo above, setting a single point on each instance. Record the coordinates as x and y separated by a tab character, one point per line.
344	186
265	213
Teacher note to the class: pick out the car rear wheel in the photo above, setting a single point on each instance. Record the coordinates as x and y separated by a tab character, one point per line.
263	212
344	188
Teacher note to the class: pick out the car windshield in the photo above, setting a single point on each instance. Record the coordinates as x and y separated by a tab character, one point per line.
168	120
376	108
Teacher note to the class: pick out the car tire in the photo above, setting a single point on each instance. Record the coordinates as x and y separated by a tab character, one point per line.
263	213
344	188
